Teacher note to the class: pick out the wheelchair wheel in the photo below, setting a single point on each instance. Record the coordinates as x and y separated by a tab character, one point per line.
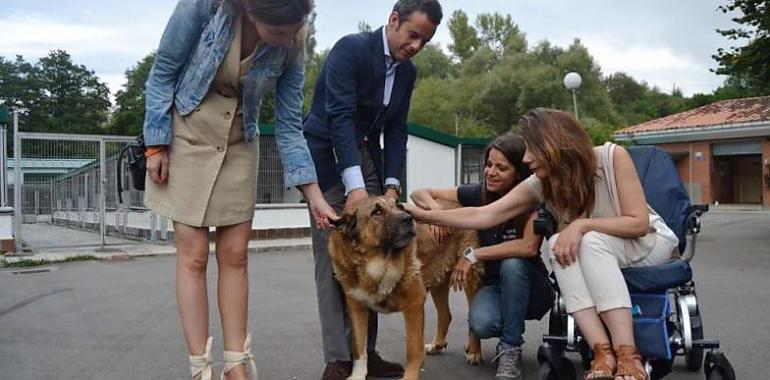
720	374
586	355
717	367
694	358
563	371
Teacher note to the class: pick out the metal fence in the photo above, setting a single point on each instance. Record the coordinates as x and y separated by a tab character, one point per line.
68	191
472	164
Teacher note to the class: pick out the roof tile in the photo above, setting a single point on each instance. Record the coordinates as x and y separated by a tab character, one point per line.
725	112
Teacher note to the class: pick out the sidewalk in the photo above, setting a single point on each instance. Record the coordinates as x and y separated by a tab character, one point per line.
143	249
734	207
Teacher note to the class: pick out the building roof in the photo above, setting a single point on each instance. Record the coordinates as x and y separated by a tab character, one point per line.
414	130
733	113
444	138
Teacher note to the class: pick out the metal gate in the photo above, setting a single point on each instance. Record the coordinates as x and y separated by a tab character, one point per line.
66	186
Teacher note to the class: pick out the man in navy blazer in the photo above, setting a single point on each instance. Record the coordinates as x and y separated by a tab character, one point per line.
362	92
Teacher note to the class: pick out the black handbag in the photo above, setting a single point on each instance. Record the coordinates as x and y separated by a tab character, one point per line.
133	154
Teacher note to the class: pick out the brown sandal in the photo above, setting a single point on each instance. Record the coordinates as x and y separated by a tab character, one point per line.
601	367
627	357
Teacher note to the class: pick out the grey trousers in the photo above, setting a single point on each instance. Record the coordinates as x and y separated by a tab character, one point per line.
335	331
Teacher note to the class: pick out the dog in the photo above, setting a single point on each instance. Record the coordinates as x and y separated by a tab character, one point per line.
386	262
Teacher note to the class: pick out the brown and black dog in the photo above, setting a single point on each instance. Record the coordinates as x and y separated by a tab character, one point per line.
386	262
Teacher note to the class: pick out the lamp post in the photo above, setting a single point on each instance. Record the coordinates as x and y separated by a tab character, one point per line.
572	82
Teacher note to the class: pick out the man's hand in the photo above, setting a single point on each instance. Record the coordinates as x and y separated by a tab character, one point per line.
392	193
157	167
354	197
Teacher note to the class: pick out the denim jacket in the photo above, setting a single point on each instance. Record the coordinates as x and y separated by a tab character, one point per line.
193	46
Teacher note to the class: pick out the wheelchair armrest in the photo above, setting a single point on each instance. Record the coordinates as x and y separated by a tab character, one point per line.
700	209
693	220
544	225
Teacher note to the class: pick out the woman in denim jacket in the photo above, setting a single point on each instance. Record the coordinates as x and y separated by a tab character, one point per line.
215	61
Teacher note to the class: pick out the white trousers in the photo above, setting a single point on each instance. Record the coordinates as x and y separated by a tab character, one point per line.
594	279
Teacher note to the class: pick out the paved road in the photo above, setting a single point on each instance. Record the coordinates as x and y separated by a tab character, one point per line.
98	320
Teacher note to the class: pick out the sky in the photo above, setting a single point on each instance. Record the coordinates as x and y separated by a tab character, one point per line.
663	43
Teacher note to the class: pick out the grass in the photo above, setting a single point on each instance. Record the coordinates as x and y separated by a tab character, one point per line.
23	263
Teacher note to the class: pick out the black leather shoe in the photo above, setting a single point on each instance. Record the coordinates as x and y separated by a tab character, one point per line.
377	367
337	371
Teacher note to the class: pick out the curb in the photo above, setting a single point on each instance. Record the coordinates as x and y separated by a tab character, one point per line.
119	255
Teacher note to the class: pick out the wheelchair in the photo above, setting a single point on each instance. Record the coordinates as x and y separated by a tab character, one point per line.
669	321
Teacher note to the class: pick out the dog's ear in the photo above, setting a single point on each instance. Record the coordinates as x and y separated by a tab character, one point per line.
346	224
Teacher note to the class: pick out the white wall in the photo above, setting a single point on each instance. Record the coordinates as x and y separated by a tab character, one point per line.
280	216
428	164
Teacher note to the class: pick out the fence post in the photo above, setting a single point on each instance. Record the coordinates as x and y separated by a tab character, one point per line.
102	190
163	227
3	162
153	229
17	182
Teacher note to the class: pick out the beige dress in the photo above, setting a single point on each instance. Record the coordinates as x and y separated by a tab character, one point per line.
212	169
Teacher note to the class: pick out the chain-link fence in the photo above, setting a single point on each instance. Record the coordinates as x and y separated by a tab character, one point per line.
69	195
472	164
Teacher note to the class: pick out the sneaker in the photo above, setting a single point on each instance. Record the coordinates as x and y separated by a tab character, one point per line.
337	371
508	360
378	367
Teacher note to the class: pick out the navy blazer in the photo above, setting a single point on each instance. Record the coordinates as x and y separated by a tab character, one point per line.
347	108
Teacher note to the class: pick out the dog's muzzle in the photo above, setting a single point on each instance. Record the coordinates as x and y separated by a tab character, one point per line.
402	230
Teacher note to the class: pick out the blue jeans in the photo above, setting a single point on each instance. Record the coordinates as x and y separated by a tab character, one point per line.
500	310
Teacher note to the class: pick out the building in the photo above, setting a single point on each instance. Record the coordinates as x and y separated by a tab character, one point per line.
722	150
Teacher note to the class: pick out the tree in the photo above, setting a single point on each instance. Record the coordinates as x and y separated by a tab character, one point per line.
364	27
310	41
747	65
497	30
623	89
18	90
465	39
129	116
55	95
432	62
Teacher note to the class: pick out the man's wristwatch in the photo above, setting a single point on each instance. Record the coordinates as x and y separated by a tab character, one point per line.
393	187
470	255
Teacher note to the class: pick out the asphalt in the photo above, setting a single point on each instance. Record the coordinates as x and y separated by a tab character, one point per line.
117	319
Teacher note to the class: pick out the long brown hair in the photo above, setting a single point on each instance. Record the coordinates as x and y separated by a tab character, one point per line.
566	153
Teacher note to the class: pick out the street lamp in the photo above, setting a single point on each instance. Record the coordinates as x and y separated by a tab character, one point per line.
572	82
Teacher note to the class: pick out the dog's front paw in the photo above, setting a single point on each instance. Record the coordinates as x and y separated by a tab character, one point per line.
474	358
435	348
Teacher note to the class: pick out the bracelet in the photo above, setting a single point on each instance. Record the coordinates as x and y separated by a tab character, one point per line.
153	150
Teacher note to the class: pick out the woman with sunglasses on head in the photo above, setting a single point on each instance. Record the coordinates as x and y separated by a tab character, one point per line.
604	225
515	285
215	62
